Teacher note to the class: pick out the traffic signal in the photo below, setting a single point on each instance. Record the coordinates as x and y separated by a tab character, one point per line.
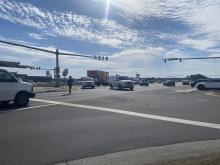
101	58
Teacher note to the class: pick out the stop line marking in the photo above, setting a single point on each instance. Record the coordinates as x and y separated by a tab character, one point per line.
136	114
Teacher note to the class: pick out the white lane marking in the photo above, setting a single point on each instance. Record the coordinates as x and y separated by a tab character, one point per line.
21	109
201	100
130	113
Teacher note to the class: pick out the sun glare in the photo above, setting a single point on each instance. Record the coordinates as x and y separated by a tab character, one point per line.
107	9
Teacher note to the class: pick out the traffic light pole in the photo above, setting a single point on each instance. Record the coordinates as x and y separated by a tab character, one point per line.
57	53
57	68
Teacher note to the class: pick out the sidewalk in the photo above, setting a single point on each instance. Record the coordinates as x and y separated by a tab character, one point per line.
192	153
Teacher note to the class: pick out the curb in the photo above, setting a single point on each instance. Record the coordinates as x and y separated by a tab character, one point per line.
46	91
192	153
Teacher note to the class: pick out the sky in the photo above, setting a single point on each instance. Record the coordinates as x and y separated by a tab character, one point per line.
136	35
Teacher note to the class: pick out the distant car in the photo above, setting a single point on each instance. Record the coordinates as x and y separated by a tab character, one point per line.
193	83
144	83
88	84
213	84
14	89
169	83
186	82
122	82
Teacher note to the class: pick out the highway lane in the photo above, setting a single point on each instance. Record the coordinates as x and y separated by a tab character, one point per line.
55	133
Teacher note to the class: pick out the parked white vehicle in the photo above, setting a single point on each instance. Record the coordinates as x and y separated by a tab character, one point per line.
14	89
121	83
213	84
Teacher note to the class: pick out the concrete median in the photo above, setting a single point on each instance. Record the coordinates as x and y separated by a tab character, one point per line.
54	89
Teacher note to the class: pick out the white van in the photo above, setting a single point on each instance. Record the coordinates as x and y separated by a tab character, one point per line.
14	89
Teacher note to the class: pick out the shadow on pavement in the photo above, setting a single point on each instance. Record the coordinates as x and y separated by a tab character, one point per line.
122	89
9	107
66	94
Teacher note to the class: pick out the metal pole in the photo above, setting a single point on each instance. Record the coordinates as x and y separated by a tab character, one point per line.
57	68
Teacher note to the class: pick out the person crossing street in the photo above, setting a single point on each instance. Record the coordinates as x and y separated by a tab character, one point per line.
70	84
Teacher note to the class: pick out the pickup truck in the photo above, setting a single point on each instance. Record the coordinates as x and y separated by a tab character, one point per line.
14	89
122	83
88	84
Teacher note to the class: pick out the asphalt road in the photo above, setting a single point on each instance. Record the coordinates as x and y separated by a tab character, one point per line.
59	127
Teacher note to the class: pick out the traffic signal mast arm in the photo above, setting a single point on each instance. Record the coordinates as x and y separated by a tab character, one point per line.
29	47
193	58
54	52
57	53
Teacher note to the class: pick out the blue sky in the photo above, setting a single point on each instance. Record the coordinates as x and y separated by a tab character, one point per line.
136	35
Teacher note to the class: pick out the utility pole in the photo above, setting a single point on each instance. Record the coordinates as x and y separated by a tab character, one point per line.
57	68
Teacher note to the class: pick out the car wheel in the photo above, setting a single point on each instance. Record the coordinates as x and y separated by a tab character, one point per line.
21	99
201	87
5	102
120	87
131	89
111	87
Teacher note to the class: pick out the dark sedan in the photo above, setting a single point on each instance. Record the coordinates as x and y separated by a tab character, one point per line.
169	83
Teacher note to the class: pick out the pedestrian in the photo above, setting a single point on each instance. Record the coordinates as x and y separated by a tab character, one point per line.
70	84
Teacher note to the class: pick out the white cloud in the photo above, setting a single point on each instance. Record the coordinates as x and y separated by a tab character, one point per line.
135	60
201	16
201	44
36	36
26	56
148	62
68	24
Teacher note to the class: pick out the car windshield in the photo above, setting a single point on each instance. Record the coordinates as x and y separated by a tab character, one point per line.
110	82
